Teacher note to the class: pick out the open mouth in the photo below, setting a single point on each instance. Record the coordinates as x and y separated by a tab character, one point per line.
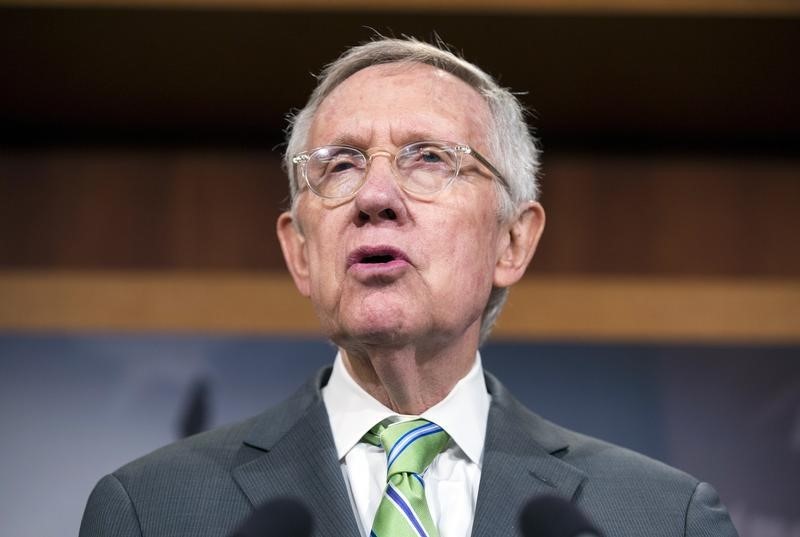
375	255
385	258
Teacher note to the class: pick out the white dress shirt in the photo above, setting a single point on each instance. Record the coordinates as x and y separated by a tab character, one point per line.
451	481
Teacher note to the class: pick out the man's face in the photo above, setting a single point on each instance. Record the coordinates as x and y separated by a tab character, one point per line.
385	267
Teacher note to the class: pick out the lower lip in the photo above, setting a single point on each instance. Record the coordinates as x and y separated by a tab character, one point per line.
394	267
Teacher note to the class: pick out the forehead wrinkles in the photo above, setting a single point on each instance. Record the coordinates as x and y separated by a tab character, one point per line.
405	98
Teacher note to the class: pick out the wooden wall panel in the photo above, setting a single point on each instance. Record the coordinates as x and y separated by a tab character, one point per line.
138	209
202	209
670	214
542	308
135	136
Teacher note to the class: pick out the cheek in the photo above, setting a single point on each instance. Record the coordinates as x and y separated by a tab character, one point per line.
467	249
321	252
322	255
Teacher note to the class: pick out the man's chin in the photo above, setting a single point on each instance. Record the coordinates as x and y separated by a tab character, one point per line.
377	317
371	333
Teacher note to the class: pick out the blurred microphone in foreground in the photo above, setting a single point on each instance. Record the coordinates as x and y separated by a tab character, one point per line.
549	516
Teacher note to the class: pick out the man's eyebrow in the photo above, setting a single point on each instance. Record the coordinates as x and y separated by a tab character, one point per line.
352	140
407	137
411	136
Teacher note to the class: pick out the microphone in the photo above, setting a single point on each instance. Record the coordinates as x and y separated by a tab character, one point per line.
549	516
283	517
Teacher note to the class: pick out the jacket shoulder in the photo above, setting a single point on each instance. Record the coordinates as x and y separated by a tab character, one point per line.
188	487
603	460
221	449
205	452
624	492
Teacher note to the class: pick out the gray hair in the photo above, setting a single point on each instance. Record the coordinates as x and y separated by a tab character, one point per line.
512	148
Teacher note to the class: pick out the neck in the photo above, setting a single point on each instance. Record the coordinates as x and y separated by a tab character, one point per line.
409	380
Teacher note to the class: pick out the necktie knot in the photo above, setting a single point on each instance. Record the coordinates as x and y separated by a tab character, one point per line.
410	446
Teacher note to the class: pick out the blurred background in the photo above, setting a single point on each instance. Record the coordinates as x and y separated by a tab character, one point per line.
143	296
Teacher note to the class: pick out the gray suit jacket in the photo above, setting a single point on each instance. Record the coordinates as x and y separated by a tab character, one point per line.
206	485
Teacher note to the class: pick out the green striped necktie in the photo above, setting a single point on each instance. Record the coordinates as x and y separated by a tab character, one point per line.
410	448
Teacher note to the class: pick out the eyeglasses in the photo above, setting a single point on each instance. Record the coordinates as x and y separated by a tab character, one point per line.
424	168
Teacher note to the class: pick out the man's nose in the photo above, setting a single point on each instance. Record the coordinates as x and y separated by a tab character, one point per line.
380	197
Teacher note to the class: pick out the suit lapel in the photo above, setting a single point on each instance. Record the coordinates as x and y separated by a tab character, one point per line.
291	454
520	461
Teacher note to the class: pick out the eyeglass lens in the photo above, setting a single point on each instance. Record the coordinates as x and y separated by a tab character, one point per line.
423	167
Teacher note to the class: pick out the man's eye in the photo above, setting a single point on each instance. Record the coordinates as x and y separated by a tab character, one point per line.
430	157
433	158
341	166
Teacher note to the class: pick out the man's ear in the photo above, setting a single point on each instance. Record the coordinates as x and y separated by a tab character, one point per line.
518	247
293	245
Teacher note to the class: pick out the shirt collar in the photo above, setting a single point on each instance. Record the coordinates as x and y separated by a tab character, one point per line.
463	413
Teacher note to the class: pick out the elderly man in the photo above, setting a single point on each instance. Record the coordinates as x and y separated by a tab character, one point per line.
413	180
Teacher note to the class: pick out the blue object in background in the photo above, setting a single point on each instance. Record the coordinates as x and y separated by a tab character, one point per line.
75	407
